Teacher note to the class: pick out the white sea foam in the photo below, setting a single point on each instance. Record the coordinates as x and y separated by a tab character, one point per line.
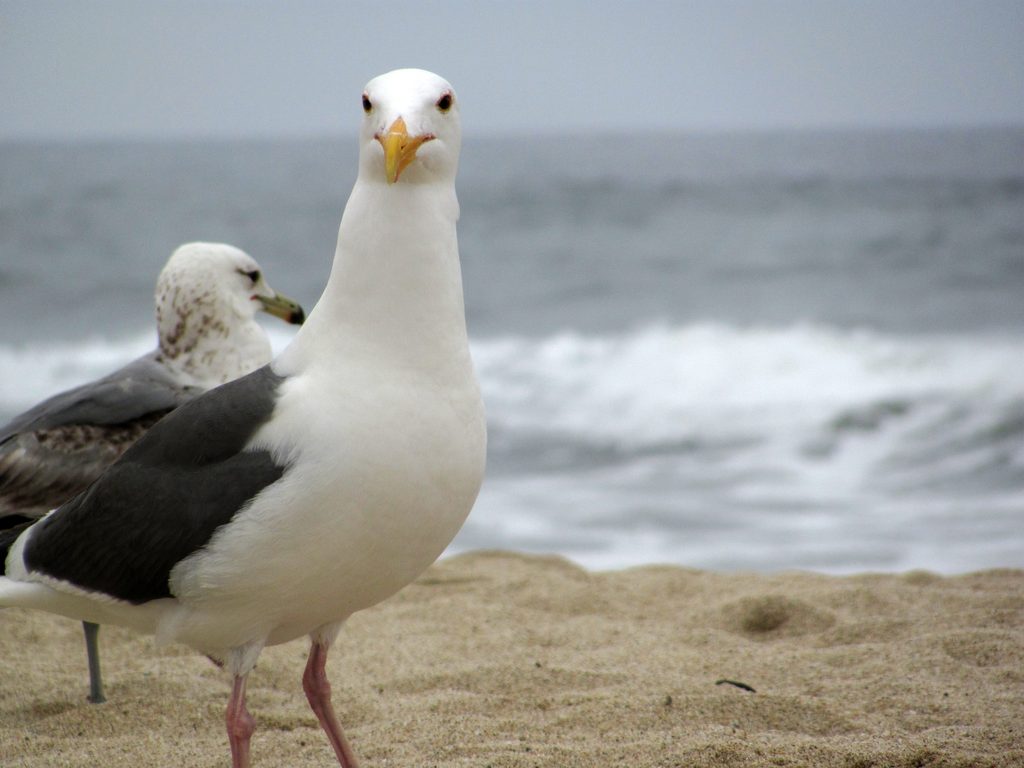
664	384
720	446
803	446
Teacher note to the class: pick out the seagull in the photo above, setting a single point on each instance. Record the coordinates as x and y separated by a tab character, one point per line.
277	505
207	296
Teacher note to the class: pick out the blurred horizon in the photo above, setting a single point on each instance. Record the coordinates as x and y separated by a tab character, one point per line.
611	134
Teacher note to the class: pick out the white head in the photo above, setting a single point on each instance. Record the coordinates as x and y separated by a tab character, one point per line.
207	296
410	128
395	284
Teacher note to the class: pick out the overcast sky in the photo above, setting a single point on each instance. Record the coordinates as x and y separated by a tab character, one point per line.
156	68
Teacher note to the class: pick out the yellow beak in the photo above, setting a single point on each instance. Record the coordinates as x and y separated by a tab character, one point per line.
281	306
399	149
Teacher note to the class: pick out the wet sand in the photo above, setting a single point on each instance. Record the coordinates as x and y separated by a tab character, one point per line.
498	659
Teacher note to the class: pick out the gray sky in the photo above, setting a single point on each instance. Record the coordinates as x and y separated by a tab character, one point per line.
156	68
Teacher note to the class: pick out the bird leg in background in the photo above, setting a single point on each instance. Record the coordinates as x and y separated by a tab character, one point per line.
318	692
240	724
92	650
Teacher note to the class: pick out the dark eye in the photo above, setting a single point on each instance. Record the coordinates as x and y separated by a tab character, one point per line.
445	102
254	275
367	104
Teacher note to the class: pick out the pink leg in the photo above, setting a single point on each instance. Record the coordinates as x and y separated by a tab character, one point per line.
240	724
318	692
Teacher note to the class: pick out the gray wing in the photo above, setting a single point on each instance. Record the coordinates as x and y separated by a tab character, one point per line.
165	497
57	448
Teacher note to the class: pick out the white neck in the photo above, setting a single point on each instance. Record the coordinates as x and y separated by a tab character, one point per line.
211	356
395	290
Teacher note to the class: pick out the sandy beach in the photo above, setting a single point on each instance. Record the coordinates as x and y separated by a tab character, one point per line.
498	659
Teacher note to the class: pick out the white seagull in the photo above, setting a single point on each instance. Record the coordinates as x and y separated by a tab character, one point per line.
281	503
207	296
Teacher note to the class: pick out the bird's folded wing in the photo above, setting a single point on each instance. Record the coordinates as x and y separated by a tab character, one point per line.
56	449
164	498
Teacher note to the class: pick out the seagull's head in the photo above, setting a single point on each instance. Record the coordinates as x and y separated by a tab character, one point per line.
224	279
410	128
209	291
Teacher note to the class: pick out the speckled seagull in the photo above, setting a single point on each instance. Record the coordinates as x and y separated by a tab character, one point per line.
279	504
207	296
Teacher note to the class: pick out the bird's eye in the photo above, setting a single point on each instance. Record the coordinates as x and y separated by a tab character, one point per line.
367	104
253	275
445	102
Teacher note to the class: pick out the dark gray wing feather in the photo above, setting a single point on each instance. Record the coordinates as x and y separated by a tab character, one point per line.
57	448
163	500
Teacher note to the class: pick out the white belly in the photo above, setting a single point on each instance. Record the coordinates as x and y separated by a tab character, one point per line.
397	474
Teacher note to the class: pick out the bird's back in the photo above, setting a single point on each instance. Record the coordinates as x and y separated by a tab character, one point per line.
59	447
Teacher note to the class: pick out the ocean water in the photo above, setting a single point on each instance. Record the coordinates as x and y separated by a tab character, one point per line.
752	352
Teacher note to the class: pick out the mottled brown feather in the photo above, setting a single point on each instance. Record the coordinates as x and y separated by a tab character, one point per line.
41	469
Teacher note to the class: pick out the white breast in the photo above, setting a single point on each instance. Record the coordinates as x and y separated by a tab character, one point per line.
360	522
